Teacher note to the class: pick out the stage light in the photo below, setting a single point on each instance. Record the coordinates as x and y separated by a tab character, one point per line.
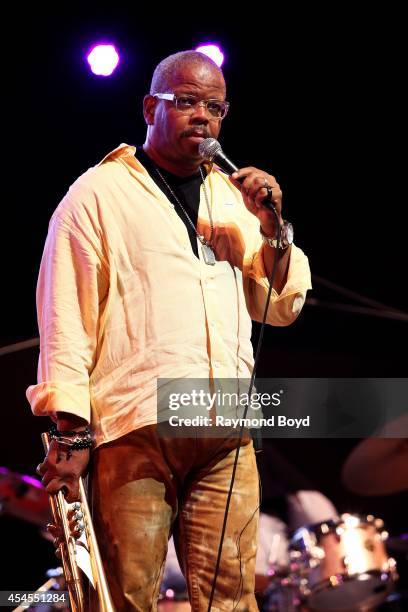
213	51
103	59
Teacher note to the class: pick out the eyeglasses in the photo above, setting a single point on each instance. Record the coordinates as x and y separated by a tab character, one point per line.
186	104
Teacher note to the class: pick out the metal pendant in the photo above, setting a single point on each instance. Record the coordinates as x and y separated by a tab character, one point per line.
208	254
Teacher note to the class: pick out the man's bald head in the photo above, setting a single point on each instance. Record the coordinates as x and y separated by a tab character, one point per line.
168	71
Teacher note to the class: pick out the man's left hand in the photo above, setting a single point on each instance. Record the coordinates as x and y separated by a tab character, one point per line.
253	184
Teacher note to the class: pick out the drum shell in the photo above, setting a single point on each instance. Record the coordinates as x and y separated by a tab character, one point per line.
344	560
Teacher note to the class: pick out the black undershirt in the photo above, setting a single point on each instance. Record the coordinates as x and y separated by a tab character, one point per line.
186	188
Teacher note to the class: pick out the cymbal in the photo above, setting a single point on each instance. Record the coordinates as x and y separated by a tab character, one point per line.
23	497
377	466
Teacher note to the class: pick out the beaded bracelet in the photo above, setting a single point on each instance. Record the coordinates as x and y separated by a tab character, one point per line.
81	444
53	431
75	444
74	440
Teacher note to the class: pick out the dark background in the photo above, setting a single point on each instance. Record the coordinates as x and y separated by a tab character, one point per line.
316	98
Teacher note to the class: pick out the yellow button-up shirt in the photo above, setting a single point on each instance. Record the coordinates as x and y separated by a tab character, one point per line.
122	300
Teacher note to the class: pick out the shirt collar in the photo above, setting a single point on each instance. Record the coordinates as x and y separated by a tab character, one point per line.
127	152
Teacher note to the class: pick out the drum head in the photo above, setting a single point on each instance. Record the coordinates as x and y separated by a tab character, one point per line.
361	592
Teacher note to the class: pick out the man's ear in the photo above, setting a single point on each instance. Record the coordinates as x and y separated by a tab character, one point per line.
149	105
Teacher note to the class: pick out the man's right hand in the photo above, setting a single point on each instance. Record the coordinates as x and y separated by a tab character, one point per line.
62	470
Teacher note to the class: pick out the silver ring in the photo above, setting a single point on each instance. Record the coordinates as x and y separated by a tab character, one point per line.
266	184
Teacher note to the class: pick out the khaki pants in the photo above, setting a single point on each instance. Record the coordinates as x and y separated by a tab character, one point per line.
145	488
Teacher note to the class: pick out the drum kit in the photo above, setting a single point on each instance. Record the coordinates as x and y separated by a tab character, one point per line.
343	565
346	565
337	566
24	497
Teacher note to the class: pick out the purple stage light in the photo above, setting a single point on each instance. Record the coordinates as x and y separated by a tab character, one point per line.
32	481
103	59
213	52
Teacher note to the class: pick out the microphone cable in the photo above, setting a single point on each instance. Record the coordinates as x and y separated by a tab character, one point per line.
251	384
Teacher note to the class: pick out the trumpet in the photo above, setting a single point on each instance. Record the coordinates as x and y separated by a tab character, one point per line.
68	550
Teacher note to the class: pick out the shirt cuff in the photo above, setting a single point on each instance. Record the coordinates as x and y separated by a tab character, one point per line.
48	398
298	279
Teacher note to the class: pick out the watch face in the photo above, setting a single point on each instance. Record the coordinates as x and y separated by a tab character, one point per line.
290	233
287	233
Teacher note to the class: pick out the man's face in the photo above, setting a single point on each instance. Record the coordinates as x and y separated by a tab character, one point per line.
175	135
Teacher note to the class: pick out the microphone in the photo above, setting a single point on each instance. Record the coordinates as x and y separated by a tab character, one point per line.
210	150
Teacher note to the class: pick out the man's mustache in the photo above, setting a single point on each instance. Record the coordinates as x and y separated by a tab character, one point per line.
192	131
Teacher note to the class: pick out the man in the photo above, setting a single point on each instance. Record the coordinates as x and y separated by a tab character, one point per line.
153	265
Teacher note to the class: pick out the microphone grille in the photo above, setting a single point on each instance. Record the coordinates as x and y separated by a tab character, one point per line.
208	148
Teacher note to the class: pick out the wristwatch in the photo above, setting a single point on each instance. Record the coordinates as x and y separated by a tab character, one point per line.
286	237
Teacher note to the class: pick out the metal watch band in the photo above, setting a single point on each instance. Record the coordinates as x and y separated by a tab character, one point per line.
273	242
286	237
